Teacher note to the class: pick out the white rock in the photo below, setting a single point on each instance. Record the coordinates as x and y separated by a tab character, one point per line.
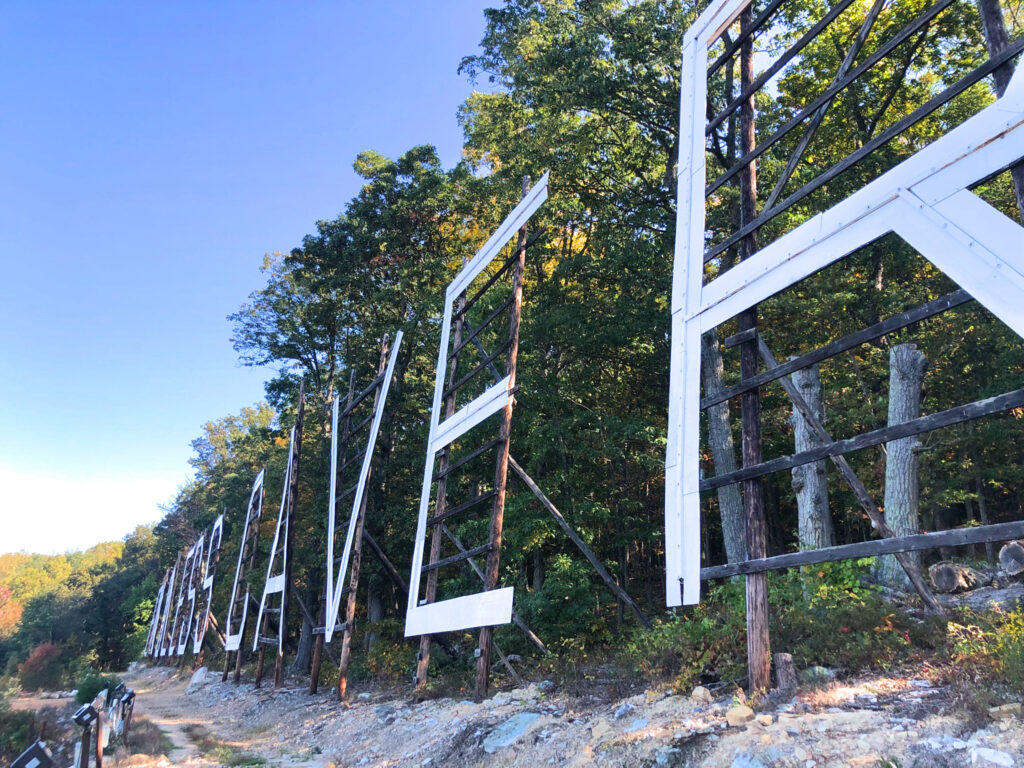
198	678
509	732
991	758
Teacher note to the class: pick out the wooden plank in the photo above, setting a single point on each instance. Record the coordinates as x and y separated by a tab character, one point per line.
890	324
445	561
957	415
890	546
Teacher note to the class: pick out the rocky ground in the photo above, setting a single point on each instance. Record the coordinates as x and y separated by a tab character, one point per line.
879	721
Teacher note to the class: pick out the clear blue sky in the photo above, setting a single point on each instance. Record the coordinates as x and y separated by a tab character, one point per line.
150	154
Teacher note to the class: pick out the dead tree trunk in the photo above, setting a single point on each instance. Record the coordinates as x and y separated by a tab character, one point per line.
304	652
953	577
730	503
1011	557
906	374
810	480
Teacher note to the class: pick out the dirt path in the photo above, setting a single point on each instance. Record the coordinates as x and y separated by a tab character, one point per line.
901	718
162	702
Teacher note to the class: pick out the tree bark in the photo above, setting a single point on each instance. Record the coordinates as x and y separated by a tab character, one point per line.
952	577
906	374
1011	557
374	613
304	652
810	481
730	503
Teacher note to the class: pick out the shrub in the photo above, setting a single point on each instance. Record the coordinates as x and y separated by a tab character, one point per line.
14	728
42	668
92	684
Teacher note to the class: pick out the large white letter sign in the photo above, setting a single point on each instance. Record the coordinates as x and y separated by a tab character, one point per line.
154	623
212	556
925	199
191	575
238	607
336	584
495	606
274	584
165	637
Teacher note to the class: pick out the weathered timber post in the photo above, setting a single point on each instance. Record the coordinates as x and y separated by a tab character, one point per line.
906	374
293	496
483	666
357	549
758	642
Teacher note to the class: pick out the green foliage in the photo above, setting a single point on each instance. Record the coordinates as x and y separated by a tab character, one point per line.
90	685
703	645
42	669
14	730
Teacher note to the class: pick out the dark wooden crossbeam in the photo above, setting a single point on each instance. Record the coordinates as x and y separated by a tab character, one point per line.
926	16
894	323
465	555
917	541
947	418
939	100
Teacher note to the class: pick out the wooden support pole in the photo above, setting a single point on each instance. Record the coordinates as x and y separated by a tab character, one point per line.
859	490
293	497
99	734
486	636
83	754
758	641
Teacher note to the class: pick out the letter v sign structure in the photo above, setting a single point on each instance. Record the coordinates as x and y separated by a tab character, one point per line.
924	199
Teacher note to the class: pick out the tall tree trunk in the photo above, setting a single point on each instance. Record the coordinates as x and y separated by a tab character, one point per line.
730	503
374	612
810	482
538	569
906	374
990	547
304	652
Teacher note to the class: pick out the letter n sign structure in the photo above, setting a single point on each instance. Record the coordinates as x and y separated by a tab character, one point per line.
925	199
491	607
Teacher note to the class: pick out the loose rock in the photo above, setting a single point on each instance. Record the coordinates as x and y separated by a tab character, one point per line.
739	715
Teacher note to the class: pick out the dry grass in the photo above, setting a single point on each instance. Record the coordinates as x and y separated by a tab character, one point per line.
221	751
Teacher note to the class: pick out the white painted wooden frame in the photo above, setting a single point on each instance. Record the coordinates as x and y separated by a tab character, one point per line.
232	642
186	573
924	200
274	584
192	573
154	623
482	609
162	641
212	552
336	585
